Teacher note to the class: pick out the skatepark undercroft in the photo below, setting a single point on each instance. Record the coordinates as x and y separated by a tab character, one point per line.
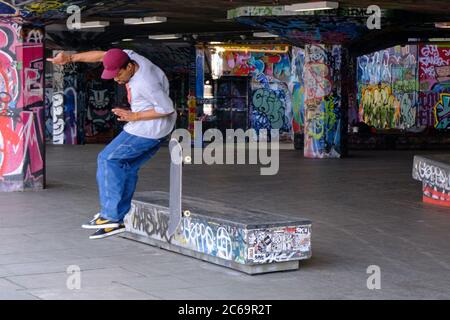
346	106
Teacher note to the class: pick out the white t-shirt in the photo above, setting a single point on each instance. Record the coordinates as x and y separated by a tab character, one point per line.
149	89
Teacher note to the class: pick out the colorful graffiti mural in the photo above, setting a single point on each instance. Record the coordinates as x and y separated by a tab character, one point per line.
388	88
312	28
80	105
271	97
47	9
48	113
274	66
71	86
8	10
442	112
434	77
21	107
337	26
404	87
99	102
379	107
268	107
322	74
296	87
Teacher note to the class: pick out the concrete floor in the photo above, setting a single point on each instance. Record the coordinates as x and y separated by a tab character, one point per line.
366	210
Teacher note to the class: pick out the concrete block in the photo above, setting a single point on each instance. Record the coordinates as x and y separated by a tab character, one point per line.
250	241
434	173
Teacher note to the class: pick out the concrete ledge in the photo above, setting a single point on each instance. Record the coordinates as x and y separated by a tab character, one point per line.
250	241
434	173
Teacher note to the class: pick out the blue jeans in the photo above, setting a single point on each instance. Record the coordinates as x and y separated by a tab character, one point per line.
117	172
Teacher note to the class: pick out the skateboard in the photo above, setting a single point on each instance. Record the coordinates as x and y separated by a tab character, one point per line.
176	163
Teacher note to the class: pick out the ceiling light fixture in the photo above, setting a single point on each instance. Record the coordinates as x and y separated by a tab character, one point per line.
127	39
284	48
145	20
264	35
164	36
93	24
439	39
442	25
312	6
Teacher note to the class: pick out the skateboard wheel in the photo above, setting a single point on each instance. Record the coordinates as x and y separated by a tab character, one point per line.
187	159
187	213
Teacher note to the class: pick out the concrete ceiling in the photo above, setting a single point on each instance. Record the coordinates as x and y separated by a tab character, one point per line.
207	19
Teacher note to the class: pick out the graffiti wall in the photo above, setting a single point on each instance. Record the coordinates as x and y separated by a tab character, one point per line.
67	101
404	87
7	9
434	77
48	111
296	87
270	101
339	26
80	105
435	178
22	124
99	119
388	88
278	244
225	241
322	81
270	107
72	89
46	9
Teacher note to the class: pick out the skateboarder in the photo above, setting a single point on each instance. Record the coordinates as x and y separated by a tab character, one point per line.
151	118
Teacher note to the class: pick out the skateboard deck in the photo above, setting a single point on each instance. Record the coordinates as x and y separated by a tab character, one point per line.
176	163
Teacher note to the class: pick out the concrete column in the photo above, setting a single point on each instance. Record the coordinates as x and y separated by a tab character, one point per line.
22	124
199	91
65	102
324	108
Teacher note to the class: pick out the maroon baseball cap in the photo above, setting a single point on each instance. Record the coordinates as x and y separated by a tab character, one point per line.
113	60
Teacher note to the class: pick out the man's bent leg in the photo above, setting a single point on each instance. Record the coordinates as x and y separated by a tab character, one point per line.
132	179
114	165
111	175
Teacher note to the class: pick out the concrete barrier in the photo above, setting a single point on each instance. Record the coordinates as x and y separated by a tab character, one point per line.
250	241
434	173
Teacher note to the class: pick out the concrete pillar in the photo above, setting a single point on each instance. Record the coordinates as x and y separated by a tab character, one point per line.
22	142
65	103
325	106
199	91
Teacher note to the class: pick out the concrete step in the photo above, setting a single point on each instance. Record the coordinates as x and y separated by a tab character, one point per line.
250	241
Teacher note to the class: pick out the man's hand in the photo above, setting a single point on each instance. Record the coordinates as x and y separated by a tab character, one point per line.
125	115
61	58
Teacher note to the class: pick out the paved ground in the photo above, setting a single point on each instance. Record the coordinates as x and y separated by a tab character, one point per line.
366	210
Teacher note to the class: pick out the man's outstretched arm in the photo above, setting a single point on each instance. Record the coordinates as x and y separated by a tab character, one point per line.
63	58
